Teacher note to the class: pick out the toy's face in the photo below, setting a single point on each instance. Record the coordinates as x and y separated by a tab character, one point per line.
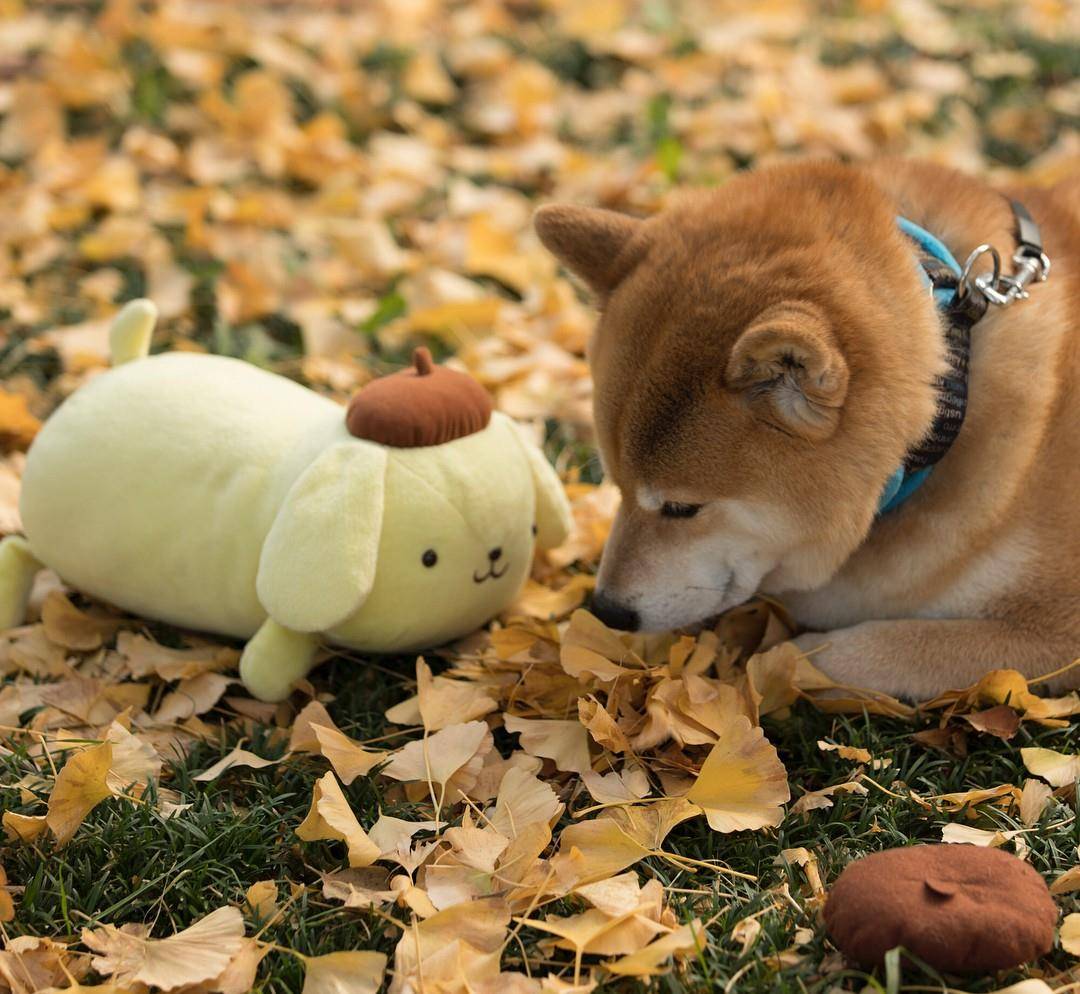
455	546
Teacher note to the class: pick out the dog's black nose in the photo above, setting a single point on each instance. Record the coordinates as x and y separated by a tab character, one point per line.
615	615
494	554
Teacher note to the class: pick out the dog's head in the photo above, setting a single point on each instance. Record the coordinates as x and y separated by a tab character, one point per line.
764	357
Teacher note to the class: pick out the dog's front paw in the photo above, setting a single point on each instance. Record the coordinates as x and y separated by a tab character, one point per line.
855	658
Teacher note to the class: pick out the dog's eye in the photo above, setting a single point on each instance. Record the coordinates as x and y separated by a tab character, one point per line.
429	558
672	509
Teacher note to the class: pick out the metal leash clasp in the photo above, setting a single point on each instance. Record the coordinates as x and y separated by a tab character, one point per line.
1028	267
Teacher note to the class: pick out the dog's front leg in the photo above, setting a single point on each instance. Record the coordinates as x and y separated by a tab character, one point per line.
919	659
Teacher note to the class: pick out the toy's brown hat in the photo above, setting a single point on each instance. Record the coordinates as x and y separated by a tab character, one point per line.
959	908
423	405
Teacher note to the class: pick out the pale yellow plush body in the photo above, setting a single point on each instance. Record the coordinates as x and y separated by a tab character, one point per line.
207	493
155	485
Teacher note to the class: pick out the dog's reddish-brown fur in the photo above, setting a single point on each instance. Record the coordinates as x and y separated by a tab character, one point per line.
767	351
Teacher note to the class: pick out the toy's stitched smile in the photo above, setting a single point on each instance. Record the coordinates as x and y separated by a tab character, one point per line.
492	574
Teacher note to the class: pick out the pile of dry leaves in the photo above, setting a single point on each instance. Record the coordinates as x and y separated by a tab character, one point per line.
618	740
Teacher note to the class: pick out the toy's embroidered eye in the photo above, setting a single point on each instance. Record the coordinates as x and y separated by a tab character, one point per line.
672	509
429	558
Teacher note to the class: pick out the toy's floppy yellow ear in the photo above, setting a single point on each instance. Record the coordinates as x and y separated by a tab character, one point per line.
318	562
553	519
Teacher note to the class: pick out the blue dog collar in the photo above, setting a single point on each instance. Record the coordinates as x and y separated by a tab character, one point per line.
940	274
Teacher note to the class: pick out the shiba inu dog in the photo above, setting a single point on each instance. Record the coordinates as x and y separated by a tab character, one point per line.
798	393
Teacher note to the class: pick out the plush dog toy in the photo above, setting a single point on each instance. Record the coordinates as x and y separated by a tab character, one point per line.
210	494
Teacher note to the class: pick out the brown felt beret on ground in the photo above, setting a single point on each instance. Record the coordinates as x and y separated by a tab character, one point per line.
423	405
959	908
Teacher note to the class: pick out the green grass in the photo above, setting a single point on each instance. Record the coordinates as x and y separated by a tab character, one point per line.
127	864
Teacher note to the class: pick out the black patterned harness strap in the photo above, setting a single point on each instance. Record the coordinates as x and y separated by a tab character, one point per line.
962	298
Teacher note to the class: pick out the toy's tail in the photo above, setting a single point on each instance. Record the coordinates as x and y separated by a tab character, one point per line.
129	336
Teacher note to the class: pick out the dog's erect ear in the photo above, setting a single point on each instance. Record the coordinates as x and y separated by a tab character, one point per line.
589	241
318	562
792	373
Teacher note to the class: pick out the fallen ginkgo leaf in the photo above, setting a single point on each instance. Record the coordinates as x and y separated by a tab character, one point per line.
236	757
330	817
742	783
80	786
650	961
353	971
1056	768
348	758
200	952
1069	934
564	742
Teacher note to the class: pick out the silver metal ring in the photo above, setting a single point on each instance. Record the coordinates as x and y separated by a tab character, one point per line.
966	279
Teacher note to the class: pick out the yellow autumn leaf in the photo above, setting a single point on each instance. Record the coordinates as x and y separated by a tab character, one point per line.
589	647
452	756
235	757
144	657
456	317
196	695
67	626
330	817
1069	934
460	943
1034	798
852	753
350	972
1067	883
602	726
594	850
958	800
539	601
742	783
441	702
7	904
522	800
239	976
564	742
969	835
651	960
348	758
17	425
198	953
650	824
261	898
1057	768
814	800
25	828
135	762
302	738
628	784
426	80
493	251
80	786
583	933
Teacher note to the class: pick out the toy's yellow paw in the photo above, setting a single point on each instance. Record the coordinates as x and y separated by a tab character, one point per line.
275	659
18	567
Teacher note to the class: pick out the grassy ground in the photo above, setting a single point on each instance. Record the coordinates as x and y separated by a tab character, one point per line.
127	863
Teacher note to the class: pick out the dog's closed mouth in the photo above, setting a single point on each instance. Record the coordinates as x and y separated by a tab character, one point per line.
492	574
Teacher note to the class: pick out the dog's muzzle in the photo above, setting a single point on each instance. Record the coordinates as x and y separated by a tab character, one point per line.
615	615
